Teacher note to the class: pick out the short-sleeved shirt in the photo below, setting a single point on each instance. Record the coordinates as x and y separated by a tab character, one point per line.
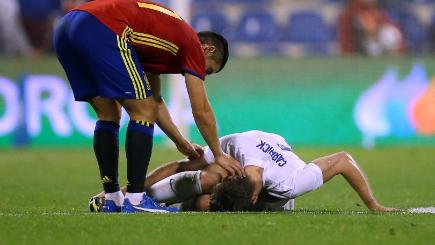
164	42
268	151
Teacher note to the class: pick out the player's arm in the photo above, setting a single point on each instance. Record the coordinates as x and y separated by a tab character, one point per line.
343	163
255	175
206	123
165	122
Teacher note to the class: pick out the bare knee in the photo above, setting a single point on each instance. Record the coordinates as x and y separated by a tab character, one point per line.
344	157
106	109
209	181
144	110
109	116
340	161
334	164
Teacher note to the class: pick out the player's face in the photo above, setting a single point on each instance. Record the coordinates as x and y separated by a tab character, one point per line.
211	66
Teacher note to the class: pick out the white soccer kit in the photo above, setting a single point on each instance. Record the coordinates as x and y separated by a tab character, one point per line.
285	175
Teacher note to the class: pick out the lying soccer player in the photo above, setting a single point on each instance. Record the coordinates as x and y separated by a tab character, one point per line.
273	171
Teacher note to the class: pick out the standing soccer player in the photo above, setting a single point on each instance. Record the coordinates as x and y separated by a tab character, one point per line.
113	52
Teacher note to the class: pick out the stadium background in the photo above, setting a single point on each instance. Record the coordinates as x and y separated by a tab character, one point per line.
286	75
301	86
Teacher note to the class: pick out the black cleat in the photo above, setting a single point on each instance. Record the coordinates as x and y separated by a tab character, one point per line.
96	204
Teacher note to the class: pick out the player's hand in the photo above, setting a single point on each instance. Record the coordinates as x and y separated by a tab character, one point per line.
193	151
230	164
199	149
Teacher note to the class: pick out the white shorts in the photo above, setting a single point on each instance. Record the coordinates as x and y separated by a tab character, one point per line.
276	205
306	179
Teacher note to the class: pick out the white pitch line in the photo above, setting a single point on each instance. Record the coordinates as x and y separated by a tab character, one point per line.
417	210
422	210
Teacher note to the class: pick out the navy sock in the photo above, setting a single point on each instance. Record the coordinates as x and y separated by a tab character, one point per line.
138	147
106	148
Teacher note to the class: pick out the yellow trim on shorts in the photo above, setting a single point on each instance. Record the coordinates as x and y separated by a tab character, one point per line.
131	67
123	55
143	123
141	88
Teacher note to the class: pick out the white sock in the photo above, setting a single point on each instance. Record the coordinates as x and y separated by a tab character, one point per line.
117	197
177	188
134	198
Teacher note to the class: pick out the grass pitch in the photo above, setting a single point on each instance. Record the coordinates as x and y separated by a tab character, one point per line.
44	193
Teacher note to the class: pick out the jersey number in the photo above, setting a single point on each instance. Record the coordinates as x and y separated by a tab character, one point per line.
158	8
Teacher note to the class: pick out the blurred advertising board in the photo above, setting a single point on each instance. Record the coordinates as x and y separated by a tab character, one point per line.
308	101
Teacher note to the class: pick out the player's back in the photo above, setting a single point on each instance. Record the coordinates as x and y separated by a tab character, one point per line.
268	151
246	145
158	34
137	14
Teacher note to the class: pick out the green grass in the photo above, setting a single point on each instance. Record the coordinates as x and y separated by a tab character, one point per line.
44	192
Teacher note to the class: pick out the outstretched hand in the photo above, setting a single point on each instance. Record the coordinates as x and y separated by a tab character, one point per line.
230	164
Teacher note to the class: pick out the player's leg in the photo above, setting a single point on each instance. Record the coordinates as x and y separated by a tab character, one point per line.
118	75
142	110
171	168
182	186
167	170
177	188
69	49
138	145
185	185
106	149
127	83
342	163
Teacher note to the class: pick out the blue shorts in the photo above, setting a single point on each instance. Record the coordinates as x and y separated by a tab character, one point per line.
97	61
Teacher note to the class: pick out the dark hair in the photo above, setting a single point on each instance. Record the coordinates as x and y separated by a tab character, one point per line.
220	43
233	194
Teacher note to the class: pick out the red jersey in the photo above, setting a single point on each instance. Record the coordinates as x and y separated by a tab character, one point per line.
164	42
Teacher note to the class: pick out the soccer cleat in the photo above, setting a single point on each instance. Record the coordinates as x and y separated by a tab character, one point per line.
110	207
146	205
96	204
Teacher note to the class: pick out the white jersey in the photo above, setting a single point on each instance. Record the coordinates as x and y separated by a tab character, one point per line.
268	151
